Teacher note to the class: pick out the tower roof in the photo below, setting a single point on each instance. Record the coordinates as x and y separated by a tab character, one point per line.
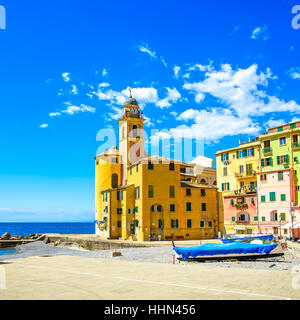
131	101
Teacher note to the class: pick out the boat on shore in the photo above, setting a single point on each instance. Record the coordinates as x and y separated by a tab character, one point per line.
224	249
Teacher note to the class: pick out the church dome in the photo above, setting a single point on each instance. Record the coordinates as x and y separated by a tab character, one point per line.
131	101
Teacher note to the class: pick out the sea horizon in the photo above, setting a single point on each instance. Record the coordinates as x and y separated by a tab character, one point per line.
27	228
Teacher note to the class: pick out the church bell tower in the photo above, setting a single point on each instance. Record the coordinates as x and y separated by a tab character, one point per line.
131	141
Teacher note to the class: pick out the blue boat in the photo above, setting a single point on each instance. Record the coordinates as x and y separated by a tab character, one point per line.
213	249
266	237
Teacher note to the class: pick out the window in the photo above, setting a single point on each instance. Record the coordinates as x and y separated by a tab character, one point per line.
283	159
183	170
282	216
282	141
114	160
119	224
201	224
232	202
225	171
156	208
119	210
150	191
203	193
233	219
293	126
241	169
280	129
137	168
114	181
105	196
203	181
252	200
189	223
150	166
274	216
263	177
174	223
210	224
172	192
263	218
225	157
130	171
203	206
249	170
283	197
171	166
267	162
249	231
251	152
272	196
263	198
256	218
132	228
225	186
172	207
188	192
137	193
242	184
118	195
243	153
188	206
134	131
160	224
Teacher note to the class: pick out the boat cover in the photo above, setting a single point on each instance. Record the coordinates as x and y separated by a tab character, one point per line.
267	237
212	249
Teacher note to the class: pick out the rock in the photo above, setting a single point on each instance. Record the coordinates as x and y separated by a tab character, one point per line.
115	254
46	240
5	236
56	243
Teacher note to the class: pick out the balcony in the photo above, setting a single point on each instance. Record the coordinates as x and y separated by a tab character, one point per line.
267	150
243	221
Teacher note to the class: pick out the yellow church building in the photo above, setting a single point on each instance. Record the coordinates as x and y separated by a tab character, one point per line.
143	197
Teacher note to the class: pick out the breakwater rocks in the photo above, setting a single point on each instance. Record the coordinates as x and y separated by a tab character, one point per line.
7	236
7	240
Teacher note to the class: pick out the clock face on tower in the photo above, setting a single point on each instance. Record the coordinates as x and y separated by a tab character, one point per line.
133	110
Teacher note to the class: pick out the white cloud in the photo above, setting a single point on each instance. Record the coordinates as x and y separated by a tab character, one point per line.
74	89
104	72
176	71
143	95
66	76
117	113
54	114
274	123
172	96
241	90
104	84
260	33
294	73
204	124
44	125
145	49
72	109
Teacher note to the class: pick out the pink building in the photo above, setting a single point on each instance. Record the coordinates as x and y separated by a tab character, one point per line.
275	200
240	215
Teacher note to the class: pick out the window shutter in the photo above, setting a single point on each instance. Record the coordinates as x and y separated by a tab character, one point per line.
237	155
271	161
253	152
222	157
222	186
278	159
262	162
287	158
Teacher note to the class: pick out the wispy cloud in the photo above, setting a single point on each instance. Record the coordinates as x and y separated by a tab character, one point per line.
294	73
261	33
146	49
66	76
44	125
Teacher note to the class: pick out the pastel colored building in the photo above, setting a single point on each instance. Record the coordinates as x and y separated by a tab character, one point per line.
279	190
236	180
143	197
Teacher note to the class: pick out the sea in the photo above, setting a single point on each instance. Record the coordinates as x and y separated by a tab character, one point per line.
27	228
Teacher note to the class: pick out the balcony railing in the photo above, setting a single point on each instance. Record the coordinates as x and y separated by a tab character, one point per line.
267	150
243	221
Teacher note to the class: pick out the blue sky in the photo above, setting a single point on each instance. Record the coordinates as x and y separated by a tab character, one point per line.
218	70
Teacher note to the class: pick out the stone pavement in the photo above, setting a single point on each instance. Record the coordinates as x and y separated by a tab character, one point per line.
71	277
